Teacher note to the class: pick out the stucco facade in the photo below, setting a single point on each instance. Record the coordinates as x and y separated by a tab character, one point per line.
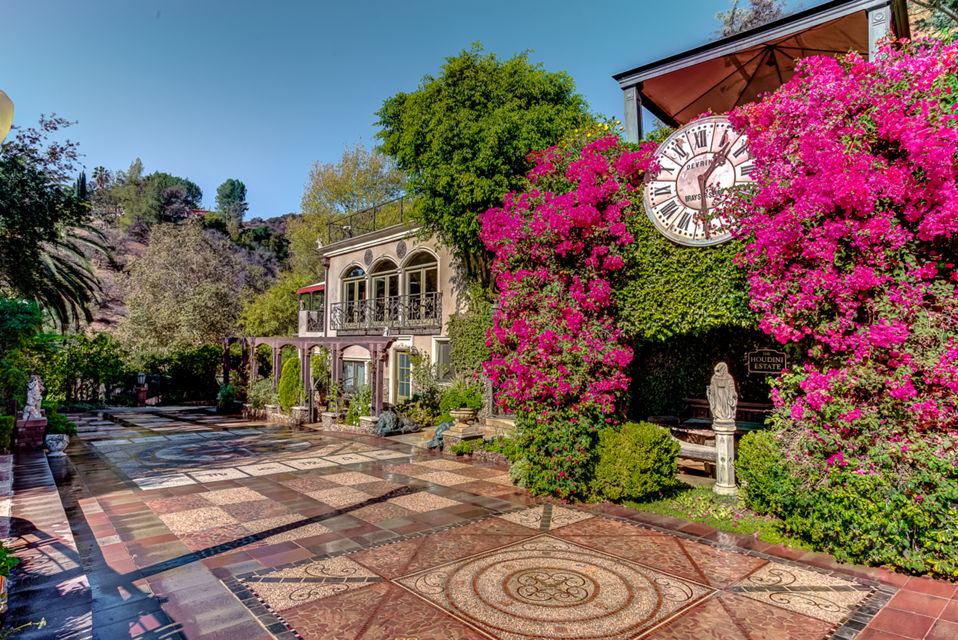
386	283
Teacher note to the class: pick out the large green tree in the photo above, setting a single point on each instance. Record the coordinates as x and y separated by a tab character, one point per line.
463	139
362	178
45	232
274	312
186	290
231	205
141	201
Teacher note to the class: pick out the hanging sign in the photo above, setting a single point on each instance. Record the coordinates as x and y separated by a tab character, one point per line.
767	361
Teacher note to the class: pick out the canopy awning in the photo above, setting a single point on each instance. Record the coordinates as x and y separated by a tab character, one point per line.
319	286
736	70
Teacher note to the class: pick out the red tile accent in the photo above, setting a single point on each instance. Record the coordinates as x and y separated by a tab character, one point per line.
931	587
950	611
910	625
918	603
943	630
875	634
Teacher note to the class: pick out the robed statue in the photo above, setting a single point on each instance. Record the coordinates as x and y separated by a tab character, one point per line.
34	399
721	393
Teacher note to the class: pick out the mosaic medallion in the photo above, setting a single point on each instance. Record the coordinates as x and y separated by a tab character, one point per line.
401	249
368	257
549	588
229	450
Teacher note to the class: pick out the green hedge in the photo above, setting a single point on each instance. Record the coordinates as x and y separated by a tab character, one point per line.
635	461
290	384
7	425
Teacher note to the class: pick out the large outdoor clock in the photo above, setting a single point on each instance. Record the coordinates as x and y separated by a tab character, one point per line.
697	163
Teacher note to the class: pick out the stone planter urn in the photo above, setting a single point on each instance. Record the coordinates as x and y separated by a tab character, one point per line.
56	443
462	430
462	416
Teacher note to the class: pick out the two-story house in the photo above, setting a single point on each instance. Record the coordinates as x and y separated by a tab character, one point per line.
382	281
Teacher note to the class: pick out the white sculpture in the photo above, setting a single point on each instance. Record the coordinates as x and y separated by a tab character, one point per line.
34	397
723	400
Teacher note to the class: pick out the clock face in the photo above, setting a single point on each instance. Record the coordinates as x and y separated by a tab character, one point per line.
697	163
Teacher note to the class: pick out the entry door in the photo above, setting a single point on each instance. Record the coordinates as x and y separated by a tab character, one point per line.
403	376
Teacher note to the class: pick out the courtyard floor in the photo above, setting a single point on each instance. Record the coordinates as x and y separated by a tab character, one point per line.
179	523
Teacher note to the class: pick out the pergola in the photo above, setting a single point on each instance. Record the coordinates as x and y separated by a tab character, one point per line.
378	347
736	70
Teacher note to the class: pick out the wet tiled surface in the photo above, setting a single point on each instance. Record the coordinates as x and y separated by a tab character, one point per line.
187	524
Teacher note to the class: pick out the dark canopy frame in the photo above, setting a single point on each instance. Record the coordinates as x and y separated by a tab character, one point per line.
722	75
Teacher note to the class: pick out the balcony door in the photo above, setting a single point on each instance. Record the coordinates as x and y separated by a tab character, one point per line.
354	297
422	285
384	283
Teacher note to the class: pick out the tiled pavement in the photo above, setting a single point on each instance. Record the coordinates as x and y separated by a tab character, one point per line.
185	524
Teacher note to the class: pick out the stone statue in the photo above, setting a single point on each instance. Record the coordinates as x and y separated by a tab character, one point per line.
723	399
34	397
436	442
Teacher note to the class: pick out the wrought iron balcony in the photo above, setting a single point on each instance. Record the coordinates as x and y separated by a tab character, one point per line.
310	322
413	313
374	218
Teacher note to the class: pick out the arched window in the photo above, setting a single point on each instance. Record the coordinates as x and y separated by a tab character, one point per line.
354	284
421	274
421	277
385	280
354	294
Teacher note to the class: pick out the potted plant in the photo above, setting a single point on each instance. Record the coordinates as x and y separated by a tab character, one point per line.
461	401
58	433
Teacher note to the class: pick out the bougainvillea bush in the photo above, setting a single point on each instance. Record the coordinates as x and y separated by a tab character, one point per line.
557	358
850	241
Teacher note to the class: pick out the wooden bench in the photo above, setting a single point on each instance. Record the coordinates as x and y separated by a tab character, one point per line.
693	432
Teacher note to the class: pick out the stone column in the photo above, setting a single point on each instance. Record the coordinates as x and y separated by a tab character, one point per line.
226	361
724	458
244	362
633	113
277	365
253	363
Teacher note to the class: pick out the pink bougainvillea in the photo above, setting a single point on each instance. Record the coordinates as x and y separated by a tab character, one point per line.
556	351
850	240
850	236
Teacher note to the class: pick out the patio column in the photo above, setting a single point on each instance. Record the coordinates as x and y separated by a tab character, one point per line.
226	361
879	26
633	113
244	361
254	363
277	365
308	380
375	380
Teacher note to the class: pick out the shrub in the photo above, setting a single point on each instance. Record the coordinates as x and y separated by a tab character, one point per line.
519	473
359	405
7	561
290	385
461	395
422	408
634	462
760	468
58	424
7	425
228	394
848	241
260	393
560	450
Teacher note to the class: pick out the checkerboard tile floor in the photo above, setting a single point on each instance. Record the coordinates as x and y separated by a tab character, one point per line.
248	531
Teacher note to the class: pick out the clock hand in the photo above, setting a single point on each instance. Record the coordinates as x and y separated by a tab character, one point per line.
717	159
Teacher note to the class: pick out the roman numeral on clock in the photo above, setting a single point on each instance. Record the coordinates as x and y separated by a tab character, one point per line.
741	150
669	209
684	221
662	191
747	169
682	153
699	138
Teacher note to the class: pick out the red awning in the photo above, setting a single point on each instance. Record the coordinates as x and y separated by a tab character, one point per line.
319	286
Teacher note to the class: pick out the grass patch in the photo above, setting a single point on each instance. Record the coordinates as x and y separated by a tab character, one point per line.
699	504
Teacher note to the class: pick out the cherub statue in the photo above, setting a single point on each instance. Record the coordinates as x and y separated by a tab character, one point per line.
721	393
34	397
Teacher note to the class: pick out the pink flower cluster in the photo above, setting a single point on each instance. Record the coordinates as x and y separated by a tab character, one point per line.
557	249
850	237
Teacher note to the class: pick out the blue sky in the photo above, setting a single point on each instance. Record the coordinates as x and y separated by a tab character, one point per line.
215	89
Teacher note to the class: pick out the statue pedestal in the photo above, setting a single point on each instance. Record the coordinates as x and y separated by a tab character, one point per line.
460	432
724	458
29	434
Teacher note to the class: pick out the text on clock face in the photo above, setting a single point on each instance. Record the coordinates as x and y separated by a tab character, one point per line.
697	164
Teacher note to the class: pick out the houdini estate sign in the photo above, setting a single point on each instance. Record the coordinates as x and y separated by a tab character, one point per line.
766	361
